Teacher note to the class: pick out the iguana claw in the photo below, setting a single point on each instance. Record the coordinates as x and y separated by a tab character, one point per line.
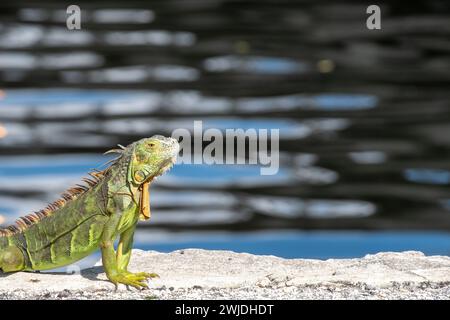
141	275
147	275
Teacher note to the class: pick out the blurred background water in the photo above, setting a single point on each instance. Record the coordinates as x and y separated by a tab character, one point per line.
363	116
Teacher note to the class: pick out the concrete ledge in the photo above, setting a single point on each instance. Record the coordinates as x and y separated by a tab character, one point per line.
202	274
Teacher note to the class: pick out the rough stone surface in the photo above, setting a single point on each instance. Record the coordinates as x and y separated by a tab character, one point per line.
202	274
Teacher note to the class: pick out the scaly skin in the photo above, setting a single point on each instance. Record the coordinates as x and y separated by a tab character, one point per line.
95	218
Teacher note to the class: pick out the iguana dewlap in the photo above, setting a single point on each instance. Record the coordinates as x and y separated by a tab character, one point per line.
90	217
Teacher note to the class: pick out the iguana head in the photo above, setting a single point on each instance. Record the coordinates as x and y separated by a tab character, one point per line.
151	157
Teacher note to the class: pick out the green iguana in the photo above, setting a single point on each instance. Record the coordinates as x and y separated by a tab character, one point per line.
89	217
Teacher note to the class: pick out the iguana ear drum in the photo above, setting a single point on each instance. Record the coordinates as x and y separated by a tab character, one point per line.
139	176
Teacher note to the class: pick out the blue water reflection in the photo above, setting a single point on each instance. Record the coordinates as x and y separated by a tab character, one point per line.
431	176
44	165
60	96
314	245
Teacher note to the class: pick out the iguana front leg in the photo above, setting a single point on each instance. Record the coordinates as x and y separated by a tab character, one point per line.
109	258
124	254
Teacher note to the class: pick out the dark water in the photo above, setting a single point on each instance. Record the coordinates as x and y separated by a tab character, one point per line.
364	118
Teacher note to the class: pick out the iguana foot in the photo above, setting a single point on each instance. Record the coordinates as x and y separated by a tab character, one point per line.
136	280
130	279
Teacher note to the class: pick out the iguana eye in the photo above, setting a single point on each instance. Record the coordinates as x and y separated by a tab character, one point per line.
151	144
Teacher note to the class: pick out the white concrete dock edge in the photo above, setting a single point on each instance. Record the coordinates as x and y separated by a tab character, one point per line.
203	274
